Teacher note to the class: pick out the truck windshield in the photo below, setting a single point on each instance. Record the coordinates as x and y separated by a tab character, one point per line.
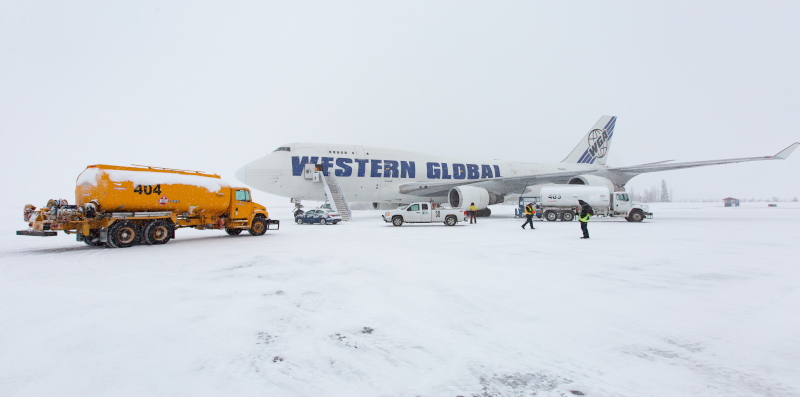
242	195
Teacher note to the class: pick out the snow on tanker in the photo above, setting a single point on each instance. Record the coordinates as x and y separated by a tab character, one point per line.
120	207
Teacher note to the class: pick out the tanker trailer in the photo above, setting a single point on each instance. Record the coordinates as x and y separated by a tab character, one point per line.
119	207
561	202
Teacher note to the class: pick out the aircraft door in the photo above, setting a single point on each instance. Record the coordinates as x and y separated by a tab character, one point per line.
413	213
359	152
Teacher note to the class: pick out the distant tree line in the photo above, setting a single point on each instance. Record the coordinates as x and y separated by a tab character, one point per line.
664	194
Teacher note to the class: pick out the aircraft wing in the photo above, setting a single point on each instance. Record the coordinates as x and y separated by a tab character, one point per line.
669	165
504	184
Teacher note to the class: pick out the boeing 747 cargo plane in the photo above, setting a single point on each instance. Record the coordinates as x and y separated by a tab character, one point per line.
388	177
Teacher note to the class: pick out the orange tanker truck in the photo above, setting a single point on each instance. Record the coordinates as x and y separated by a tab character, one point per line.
123	206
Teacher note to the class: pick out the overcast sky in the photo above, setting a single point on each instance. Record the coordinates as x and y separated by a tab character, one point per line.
212	86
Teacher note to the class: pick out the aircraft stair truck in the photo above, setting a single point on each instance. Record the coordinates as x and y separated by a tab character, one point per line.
561	202
125	206
423	212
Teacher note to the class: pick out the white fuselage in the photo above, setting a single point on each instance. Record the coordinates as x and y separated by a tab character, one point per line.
372	174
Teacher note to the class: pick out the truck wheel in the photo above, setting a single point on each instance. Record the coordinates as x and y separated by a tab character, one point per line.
551	216
258	227
637	216
233	232
397	221
124	234
157	232
450	220
322	222
567	216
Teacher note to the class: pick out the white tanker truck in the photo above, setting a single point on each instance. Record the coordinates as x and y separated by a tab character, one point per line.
561	202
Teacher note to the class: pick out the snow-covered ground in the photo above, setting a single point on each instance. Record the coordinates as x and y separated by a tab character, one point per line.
699	301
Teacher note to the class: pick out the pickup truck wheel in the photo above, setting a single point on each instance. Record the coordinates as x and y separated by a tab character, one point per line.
551	216
258	227
567	216
233	232
397	221
124	234
450	220
323	222
637	216
157	232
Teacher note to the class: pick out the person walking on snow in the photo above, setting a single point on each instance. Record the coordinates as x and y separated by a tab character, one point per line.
473	213
529	213
586	213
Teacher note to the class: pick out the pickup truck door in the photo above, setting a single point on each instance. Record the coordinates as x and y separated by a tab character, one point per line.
413	213
425	213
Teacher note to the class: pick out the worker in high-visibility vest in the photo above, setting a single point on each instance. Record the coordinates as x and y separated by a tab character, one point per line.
529	213
473	213
586	213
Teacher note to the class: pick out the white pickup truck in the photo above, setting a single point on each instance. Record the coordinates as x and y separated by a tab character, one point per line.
423	213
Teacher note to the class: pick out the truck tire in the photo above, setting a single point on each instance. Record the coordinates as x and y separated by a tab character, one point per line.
124	234
397	221
323	222
567	216
551	216
636	216
233	232
451	220
157	232
258	227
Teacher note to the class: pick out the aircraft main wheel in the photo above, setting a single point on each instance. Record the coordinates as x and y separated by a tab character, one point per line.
233	232
258	227
551	216
637	216
322	222
450	220
397	221
157	232
568	216
124	234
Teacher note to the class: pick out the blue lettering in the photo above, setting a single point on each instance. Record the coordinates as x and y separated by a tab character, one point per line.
361	167
390	169
445	175
327	162
345	170
375	168
486	171
459	171
433	172
472	171
408	169
298	164
497	171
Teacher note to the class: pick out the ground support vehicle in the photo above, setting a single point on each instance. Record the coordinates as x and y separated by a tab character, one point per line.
424	213
124	206
323	216
523	201
561	202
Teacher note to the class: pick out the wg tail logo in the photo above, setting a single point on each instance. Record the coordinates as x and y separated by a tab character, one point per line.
598	143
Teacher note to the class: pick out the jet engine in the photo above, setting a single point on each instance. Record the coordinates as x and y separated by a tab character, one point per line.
593	180
462	196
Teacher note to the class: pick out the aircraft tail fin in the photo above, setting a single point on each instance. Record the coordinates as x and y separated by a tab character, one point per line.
593	148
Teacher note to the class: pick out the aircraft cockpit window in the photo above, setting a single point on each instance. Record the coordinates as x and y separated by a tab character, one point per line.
283	149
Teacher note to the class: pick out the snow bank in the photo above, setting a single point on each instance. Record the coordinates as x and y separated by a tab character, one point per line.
91	175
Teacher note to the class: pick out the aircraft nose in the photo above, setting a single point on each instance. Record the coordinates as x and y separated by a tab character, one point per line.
241	174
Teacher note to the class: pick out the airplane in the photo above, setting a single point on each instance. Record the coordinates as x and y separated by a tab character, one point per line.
390	177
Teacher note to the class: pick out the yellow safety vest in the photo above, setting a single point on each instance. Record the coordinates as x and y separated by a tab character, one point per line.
473	208
585	218
529	211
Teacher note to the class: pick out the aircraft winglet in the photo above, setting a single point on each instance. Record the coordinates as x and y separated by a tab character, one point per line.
783	154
